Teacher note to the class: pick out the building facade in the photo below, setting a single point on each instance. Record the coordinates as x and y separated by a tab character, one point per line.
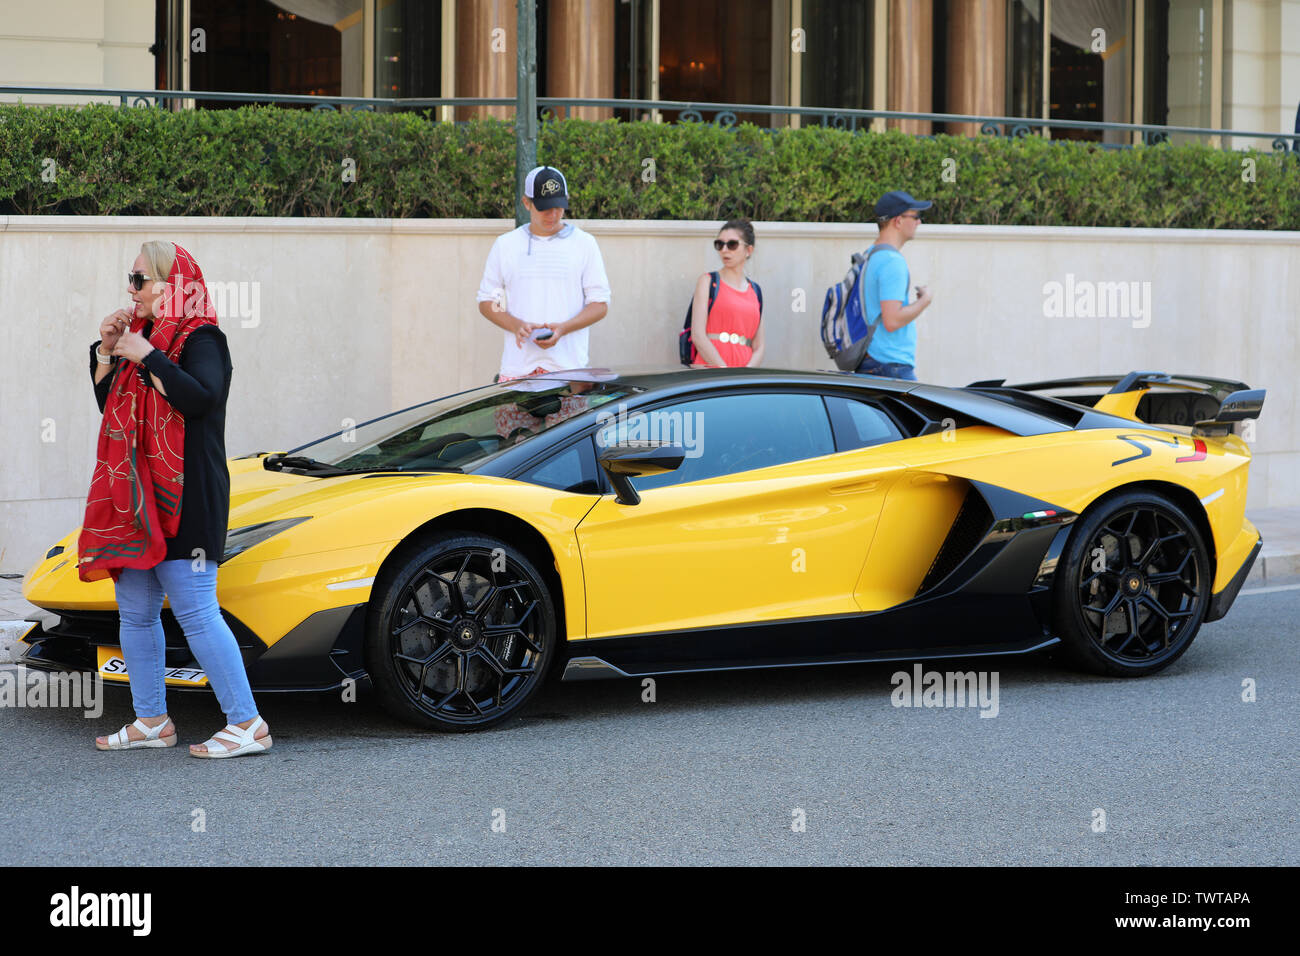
1231	64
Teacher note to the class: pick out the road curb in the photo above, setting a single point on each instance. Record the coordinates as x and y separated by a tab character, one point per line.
1272	568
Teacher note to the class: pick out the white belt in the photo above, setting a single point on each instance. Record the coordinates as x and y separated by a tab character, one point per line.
733	338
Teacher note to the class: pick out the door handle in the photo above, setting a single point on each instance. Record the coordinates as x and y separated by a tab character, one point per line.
856	487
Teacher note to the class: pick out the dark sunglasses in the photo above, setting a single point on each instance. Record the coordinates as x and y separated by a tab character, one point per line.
909	216
136	280
732	244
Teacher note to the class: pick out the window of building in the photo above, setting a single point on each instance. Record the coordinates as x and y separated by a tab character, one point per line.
1155	63
1024	58
1089	66
308	47
1104	65
836	65
408	48
1190	51
633	56
716	53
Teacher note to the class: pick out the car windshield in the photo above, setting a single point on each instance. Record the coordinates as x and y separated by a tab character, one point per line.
460	431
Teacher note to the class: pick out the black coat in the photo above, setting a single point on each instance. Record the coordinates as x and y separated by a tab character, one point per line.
197	388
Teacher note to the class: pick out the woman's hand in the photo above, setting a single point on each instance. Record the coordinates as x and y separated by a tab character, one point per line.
111	329
132	346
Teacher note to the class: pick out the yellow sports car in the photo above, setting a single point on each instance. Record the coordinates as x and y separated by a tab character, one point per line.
598	524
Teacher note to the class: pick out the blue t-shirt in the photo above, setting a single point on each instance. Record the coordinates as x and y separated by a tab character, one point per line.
887	278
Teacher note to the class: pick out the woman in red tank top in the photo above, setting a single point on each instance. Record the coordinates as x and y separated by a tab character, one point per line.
733	334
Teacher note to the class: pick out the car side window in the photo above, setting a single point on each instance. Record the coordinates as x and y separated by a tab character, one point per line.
859	425
572	469
729	434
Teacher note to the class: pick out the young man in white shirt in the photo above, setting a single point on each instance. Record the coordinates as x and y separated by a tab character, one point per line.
544	284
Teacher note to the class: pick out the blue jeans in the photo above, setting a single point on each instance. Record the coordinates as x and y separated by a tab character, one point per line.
193	597
870	366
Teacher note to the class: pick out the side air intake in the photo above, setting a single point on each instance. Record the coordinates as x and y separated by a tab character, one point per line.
968	529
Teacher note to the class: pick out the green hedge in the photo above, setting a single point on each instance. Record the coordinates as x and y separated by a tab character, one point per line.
263	161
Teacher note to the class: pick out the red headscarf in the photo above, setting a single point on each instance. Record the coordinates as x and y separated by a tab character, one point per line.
134	504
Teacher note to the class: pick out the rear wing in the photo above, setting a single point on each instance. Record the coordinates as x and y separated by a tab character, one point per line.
1210	406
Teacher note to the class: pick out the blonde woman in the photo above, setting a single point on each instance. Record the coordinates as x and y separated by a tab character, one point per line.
159	499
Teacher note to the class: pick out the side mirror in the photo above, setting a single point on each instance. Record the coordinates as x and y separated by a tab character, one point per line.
632	459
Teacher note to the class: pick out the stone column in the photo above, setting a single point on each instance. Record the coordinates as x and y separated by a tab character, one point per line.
977	59
580	53
485	54
911	33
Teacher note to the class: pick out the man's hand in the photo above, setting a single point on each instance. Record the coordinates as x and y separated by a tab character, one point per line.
923	296
112	328
558	331
132	346
523	330
491	310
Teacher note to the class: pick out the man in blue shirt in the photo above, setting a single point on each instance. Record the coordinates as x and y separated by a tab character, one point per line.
892	351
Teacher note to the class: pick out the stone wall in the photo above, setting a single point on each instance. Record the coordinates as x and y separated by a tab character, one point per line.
357	317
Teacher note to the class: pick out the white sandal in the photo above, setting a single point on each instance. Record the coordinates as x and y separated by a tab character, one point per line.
243	739
152	737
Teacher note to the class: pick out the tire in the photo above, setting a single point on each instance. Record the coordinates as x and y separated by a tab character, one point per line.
460	634
1134	607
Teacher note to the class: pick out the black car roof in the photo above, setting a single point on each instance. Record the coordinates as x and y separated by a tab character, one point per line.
672	379
1019	413
652	385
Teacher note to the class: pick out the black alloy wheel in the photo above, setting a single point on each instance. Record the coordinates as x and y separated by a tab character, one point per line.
462	634
1133	586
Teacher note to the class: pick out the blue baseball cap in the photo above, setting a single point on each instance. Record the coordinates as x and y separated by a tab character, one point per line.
547	187
898	202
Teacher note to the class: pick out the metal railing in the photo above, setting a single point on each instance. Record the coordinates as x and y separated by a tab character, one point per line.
725	115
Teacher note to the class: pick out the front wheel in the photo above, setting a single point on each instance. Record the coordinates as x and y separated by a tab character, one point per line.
1133	586
460	634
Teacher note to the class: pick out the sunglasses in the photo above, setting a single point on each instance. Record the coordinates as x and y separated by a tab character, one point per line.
909	216
732	244
136	280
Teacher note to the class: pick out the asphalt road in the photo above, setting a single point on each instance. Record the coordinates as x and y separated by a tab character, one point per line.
712	772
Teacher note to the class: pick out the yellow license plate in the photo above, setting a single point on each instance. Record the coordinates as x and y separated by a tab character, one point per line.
113	667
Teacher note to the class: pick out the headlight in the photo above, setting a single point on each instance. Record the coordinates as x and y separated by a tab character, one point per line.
241	539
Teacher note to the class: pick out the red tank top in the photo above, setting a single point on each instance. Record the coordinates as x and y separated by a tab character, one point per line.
737	313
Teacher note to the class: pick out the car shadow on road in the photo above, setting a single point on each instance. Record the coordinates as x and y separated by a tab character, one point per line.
329	719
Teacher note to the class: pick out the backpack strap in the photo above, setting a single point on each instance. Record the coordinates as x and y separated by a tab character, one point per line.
862	282
758	291
686	347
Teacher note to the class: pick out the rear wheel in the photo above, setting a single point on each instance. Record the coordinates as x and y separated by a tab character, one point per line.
1132	587
460	634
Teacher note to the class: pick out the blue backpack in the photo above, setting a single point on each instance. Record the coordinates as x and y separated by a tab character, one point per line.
686	350
845	330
